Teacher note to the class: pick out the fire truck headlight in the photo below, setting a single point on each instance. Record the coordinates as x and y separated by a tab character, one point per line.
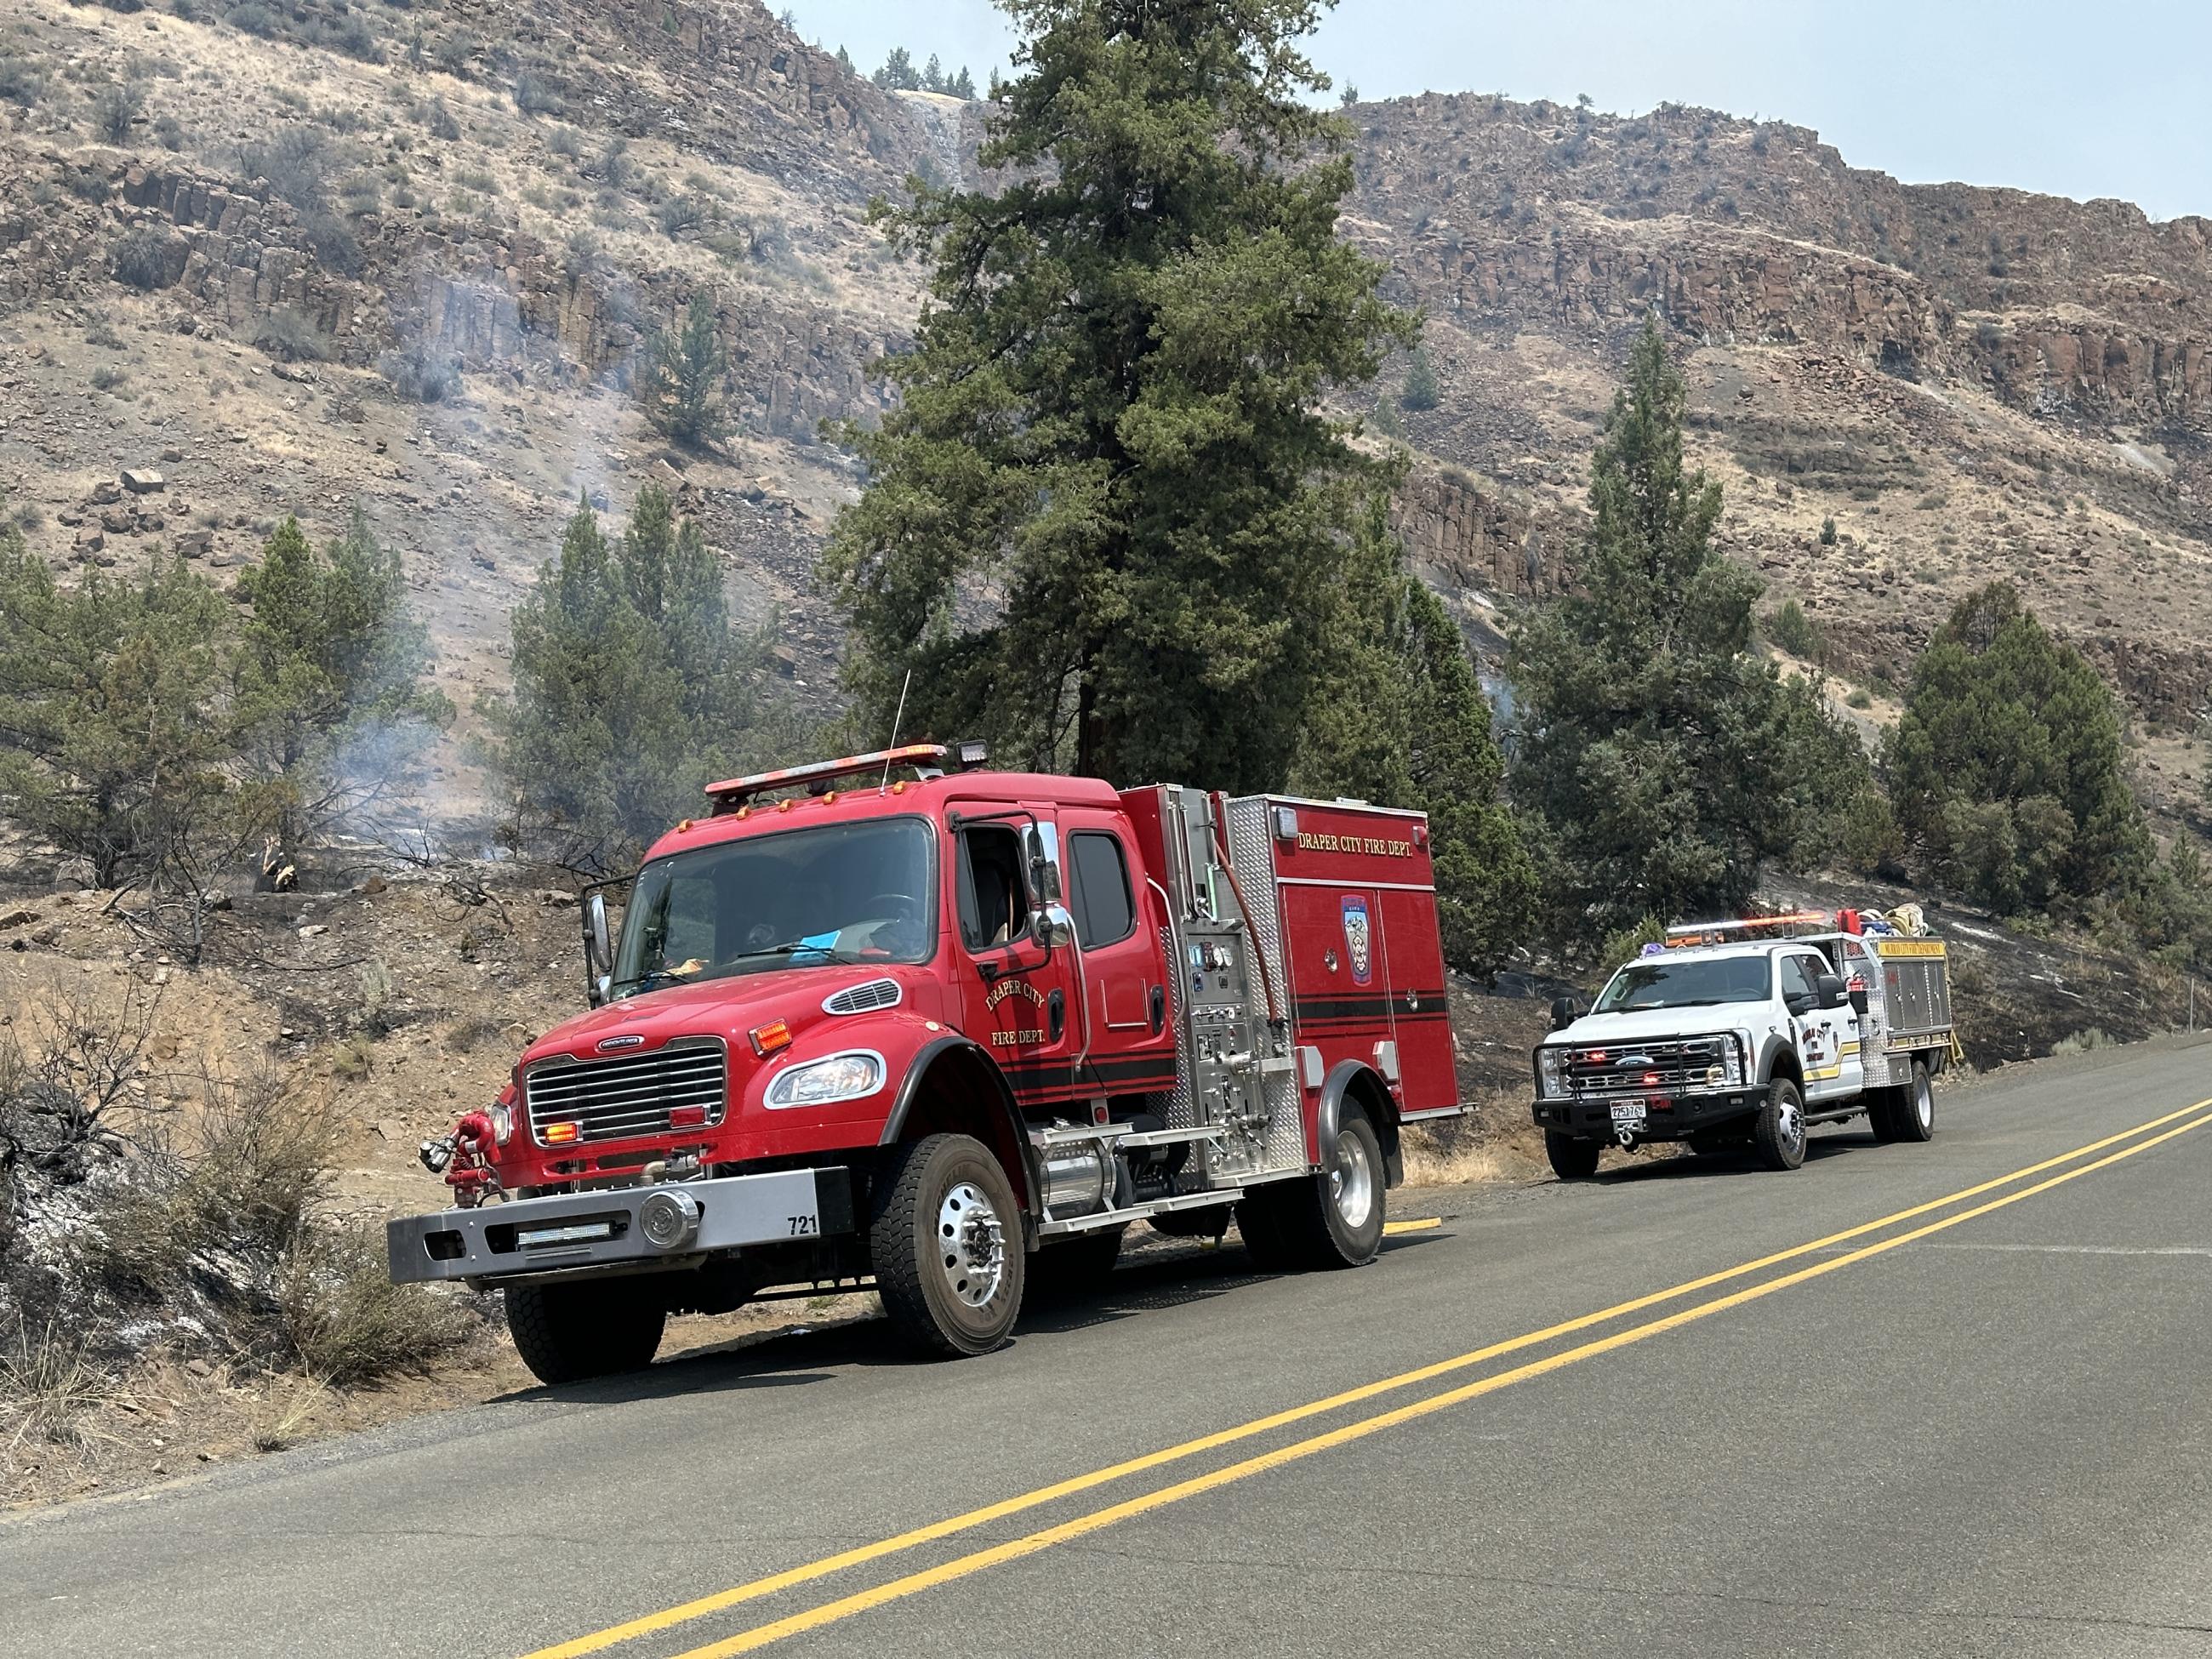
1547	1072
502	1122
841	1076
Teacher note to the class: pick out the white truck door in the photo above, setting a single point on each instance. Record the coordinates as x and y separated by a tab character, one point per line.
1822	1033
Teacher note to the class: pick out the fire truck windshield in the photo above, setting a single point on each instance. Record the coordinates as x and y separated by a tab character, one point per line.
1684	982
833	892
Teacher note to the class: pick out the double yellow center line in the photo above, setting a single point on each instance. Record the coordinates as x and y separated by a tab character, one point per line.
2141	1138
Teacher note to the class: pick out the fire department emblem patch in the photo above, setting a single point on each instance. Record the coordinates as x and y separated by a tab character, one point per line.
1358	941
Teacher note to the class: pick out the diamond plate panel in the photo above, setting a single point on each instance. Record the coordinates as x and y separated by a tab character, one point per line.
1253	847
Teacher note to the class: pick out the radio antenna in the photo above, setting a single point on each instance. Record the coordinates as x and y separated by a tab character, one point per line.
896	719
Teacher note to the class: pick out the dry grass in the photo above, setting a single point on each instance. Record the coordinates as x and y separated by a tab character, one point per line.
48	1387
1495	1144
281	1418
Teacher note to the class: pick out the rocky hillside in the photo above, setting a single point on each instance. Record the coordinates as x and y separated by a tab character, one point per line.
1964	381
282	256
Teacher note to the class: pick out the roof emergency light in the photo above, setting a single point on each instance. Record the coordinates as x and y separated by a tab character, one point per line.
732	792
1694	932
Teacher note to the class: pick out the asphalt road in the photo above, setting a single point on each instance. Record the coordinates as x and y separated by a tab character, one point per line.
1980	1424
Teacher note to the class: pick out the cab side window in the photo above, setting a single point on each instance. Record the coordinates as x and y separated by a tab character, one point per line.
994	904
1797	978
1105	911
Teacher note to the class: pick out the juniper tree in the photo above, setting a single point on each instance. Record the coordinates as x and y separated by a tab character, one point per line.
329	705
112	729
2006	766
1660	753
1108	514
681	387
632	690
1403	720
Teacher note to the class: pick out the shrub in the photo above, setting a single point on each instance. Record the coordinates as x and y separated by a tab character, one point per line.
2086	1041
566	143
1628	944
354	1057
170	131
441	122
19	83
285	333
348	1323
420	373
1860	698
257	1160
253	18
534	95
142	259
1796	633
116	109
1420	391
333	242
677	214
108	377
1827	532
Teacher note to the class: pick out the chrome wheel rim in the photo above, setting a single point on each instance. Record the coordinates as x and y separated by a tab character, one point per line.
1792	1124
970	1245
1352	1181
1923	1103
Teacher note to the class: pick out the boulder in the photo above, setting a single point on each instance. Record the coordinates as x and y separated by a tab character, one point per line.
143	481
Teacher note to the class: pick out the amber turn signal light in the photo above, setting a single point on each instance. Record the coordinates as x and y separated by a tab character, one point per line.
767	1039
560	1134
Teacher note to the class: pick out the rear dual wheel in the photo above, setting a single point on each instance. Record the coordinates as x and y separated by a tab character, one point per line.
1332	1218
1906	1113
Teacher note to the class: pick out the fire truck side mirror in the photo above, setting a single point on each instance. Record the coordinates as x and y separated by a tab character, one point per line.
598	950
1042	844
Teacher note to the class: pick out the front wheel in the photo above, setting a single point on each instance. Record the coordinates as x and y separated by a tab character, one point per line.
1778	1131
580	1328
1572	1158
944	1238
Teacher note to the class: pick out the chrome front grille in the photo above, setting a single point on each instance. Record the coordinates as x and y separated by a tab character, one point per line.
633	1096
1644	1069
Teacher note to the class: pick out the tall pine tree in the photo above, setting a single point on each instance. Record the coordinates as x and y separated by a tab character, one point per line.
1107	522
1661	756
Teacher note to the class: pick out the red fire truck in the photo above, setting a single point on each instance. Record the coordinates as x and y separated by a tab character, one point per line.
895	1019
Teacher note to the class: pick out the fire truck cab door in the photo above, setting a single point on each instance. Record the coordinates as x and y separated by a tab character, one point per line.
1018	991
1124	992
1827	1038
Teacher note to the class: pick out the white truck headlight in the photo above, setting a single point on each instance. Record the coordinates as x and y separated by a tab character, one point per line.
841	1076
1548	1081
1733	1051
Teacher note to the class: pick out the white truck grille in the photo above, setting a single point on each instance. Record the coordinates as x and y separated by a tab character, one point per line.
622	1099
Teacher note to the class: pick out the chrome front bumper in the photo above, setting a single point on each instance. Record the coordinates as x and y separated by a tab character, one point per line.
601	1229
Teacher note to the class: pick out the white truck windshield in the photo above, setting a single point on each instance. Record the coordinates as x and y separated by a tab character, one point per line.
837	892
1677	982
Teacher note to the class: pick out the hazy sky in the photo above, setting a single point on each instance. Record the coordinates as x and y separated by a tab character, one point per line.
2075	98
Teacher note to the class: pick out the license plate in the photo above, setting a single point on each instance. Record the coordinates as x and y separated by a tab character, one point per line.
1628	1114
582	1233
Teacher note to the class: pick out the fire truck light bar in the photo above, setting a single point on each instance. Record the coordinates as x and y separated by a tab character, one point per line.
732	792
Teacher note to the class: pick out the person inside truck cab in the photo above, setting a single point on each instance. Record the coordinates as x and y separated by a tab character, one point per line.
994	903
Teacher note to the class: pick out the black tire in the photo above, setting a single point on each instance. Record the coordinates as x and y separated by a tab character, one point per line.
1332	1218
1077	1265
1884	1108
1915	1117
1573	1158
1259	1219
582	1328
944	1239
1777	1133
